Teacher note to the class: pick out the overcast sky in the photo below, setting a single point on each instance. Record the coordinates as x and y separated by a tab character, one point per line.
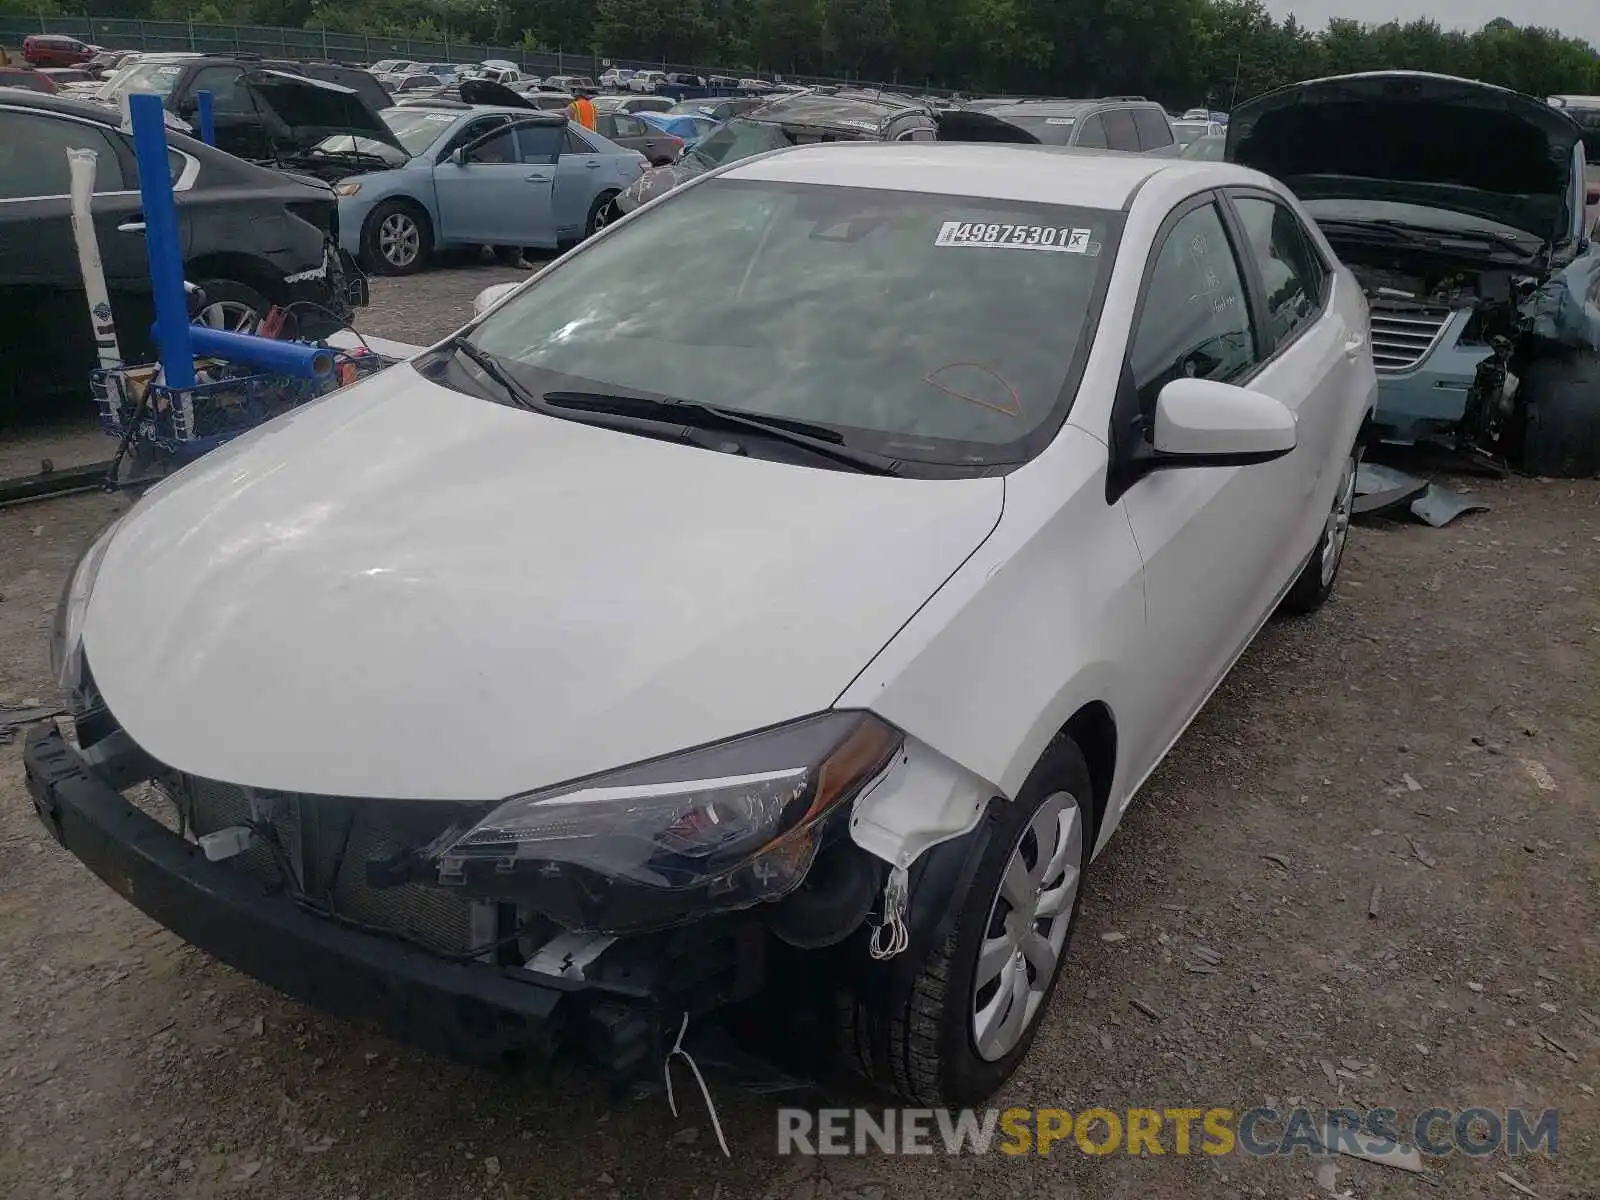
1575	18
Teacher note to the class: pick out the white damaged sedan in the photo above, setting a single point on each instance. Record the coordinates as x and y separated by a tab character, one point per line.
809	569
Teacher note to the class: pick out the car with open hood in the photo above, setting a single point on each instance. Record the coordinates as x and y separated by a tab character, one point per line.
489	169
1460	207
264	110
779	599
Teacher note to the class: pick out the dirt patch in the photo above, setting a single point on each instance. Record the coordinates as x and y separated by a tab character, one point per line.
1432	736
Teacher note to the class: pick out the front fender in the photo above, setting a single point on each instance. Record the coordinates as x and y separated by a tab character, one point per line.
1037	623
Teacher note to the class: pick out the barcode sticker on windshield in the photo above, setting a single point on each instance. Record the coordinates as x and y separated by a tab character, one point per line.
1058	238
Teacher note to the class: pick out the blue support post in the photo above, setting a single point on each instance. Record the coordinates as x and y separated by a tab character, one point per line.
162	242
208	128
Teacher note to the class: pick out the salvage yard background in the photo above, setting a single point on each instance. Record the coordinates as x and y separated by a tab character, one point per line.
1434	733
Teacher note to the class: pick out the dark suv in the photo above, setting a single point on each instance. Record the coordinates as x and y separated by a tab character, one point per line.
252	238
245	124
1129	123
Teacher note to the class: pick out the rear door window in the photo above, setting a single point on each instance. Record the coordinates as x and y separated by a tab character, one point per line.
1292	274
33	159
1121	133
1092	134
539	143
1152	127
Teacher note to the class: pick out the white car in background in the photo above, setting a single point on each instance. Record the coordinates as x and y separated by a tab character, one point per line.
646	81
865	517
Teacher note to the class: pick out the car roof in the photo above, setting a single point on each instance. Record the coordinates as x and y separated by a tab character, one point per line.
100	114
992	171
1066	108
858	114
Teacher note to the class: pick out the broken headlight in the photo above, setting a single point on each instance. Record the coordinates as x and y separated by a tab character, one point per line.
722	827
66	628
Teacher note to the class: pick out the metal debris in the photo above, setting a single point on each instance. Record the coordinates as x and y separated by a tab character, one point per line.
1281	859
1146	1009
1438	506
1385	491
1113	936
1372	904
1410	781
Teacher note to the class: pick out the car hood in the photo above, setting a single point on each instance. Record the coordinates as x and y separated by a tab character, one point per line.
403	591
488	91
1416	138
301	113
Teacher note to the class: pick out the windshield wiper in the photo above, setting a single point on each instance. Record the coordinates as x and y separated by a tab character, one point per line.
1382	230
821	440
490	366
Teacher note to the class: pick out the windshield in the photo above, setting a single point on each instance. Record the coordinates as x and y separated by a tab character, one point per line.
740	139
925	327
1051	131
417	128
157	77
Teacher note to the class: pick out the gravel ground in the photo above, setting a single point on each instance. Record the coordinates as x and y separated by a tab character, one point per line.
1434	731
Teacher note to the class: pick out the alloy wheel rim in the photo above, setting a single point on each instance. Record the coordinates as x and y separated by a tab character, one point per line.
232	316
399	239
1027	927
602	217
1337	529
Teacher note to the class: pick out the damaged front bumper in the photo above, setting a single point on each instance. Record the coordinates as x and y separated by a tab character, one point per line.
619	1015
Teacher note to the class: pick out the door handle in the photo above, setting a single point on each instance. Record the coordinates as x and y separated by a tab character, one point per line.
593	164
131	227
537	178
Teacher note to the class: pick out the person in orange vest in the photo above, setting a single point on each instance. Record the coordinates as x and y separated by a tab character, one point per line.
581	110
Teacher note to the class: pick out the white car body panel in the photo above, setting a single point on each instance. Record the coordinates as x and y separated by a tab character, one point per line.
405	592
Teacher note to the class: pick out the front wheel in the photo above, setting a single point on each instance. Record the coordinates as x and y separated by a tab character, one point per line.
946	1026
1561	403
1315	584
396	239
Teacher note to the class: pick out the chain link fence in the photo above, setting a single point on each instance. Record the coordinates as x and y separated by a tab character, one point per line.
358	49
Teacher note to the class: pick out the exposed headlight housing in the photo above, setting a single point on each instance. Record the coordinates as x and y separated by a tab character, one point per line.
66	628
347	187
722	827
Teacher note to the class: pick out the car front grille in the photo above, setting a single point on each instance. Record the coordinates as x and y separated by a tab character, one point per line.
327	842
1403	337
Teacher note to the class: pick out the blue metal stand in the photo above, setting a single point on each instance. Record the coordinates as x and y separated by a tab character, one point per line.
208	128
162	241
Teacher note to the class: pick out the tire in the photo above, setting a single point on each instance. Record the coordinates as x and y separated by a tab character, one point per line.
601	213
912	1024
396	239
1561	415
231	305
1315	583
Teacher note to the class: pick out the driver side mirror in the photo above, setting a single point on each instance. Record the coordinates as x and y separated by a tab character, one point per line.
1203	423
459	156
